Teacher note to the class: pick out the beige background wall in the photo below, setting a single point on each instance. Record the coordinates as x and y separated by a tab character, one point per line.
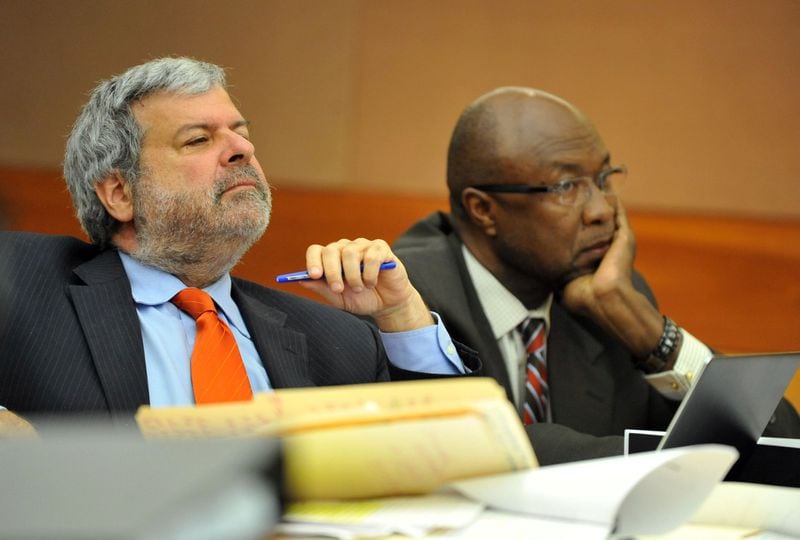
698	98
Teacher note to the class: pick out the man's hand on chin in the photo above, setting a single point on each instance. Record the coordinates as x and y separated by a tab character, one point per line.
609	298
590	293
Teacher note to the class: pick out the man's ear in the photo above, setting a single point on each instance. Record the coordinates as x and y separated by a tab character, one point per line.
115	194
480	210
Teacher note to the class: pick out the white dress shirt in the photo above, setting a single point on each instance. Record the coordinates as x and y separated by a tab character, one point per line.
168	336
505	312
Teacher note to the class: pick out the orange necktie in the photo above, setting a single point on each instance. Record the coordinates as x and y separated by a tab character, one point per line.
218	373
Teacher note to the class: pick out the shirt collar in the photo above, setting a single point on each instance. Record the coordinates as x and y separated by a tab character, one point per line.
153	287
503	310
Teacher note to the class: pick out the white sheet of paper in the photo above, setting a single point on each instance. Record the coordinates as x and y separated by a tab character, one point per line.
412	516
507	526
626	494
759	506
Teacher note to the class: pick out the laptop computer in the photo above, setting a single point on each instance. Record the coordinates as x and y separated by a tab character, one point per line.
732	400
731	403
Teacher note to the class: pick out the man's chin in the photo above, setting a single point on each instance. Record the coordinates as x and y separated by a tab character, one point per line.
244	192
578	272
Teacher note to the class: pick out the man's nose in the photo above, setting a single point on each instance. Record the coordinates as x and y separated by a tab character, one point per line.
239	150
598	206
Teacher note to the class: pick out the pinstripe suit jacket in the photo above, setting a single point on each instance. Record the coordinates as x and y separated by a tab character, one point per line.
70	339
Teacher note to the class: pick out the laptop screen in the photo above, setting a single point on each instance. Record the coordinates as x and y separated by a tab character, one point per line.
732	400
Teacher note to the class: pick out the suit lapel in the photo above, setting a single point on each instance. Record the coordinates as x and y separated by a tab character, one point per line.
573	359
107	314
283	352
474	325
434	246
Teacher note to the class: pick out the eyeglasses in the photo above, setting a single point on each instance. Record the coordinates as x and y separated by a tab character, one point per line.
572	192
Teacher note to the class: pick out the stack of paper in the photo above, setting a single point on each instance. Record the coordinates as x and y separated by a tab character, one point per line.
649	493
412	516
369	440
457	444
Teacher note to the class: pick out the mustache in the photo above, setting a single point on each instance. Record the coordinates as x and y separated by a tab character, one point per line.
235	176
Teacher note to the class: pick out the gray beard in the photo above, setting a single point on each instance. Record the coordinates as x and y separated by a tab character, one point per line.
198	237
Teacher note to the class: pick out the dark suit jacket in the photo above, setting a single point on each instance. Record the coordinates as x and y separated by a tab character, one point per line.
594	386
70	340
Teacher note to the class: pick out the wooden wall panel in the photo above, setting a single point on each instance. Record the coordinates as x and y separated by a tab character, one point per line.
699	99
734	283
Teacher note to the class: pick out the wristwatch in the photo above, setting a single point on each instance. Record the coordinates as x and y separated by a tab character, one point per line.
667	345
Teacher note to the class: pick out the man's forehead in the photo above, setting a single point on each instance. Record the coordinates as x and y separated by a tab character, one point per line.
178	109
538	133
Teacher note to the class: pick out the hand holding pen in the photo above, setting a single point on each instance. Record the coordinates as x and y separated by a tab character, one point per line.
365	278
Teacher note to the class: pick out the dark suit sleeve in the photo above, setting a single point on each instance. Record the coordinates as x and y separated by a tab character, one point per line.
556	443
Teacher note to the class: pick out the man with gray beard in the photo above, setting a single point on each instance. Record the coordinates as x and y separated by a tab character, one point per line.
165	182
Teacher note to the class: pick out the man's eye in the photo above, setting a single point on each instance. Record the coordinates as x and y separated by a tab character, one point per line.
566	186
196	141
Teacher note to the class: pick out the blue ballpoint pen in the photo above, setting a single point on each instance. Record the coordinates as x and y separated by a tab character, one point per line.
303	276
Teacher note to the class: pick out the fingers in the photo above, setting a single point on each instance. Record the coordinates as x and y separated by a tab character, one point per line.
355	263
622	216
624	227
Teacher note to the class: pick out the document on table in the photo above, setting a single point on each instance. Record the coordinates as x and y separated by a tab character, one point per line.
736	510
648	493
413	516
369	440
758	506
626	495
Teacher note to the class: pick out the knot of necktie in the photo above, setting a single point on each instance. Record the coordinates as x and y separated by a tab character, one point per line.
194	301
533	332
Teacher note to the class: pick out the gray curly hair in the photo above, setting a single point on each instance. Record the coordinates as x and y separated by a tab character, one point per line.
106	136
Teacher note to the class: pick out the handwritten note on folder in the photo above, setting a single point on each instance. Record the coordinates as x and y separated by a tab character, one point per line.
369	440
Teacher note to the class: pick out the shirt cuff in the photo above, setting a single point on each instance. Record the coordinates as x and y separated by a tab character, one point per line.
692	357
426	350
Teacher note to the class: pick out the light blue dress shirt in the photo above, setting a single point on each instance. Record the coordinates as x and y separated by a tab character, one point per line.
168	336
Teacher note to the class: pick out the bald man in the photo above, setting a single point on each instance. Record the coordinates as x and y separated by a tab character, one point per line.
536	230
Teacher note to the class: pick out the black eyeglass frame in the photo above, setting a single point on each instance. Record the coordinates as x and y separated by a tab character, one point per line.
600	181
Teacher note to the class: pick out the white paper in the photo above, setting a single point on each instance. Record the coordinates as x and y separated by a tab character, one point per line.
645	493
769	508
411	516
505	526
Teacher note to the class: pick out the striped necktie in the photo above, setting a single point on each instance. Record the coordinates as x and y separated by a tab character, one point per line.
536	404
218	373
